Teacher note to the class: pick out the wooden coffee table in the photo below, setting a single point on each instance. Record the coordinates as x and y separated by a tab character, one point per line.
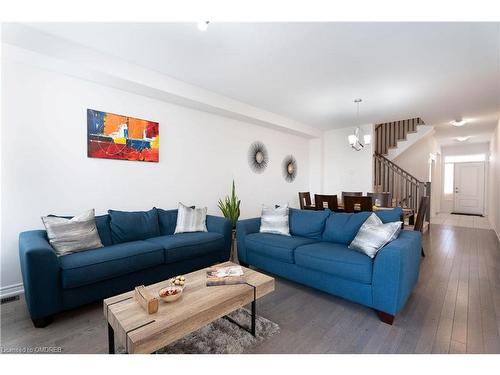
198	306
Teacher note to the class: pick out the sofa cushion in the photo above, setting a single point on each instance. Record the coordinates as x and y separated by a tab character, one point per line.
373	235
90	266
68	236
104	230
274	220
275	245
342	227
335	259
167	220
102	224
389	216
191	219
307	223
129	226
183	246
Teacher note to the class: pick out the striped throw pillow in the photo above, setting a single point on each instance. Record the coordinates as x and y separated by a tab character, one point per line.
275	220
374	235
72	235
190	219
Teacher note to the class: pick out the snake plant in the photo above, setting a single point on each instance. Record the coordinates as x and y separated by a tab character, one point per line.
230	207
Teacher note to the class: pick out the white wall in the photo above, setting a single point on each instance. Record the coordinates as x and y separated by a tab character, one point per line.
423	131
436	184
346	169
466	149
316	161
45	168
463	149
494	182
415	159
23	43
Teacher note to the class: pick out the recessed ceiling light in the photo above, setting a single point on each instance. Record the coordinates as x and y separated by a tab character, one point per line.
462	139
458	122
203	26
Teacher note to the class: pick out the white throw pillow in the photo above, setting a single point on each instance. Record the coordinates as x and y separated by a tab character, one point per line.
374	235
72	235
191	219
275	220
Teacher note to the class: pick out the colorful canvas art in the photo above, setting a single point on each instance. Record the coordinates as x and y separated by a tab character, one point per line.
111	136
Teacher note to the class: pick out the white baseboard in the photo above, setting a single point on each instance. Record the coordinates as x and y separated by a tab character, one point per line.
493	227
498	234
11	290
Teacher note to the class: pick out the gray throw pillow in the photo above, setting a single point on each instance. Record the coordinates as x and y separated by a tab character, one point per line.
190	219
72	235
373	235
275	220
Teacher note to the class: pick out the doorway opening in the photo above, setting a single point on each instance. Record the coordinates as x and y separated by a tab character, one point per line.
464	183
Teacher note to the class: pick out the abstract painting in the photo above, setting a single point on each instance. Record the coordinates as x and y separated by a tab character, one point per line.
111	136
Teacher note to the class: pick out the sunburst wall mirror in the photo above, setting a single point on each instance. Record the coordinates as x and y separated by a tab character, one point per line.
289	168
258	157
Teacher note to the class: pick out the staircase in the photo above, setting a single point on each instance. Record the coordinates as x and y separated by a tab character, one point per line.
406	190
388	134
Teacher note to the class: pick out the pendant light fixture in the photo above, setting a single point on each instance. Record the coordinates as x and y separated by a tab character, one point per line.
354	139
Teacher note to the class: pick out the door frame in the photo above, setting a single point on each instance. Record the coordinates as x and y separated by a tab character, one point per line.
484	183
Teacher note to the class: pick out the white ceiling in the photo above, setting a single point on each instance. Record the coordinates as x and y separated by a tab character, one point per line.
311	72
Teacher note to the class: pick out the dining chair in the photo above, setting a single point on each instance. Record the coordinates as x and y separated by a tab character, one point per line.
351	194
419	221
385	199
305	201
322	201
350	202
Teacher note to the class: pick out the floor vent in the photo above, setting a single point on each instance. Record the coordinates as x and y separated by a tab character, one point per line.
10	299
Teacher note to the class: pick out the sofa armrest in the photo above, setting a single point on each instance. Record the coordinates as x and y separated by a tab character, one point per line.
219	224
395	272
41	274
243	228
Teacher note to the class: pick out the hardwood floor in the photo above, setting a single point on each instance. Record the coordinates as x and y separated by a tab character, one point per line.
478	222
455	308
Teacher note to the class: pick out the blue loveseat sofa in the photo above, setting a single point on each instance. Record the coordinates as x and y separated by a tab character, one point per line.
139	248
317	255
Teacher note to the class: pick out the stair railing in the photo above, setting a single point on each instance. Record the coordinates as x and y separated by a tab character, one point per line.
405	188
388	134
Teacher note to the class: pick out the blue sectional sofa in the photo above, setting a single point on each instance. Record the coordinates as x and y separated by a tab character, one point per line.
317	255
137	252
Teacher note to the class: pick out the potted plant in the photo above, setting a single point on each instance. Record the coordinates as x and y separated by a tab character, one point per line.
230	208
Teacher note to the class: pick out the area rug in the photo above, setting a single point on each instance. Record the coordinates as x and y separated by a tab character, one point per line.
223	336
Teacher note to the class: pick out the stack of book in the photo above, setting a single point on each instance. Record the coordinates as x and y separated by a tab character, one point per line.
225	275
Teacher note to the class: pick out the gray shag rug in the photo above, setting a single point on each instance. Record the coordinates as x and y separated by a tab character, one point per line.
223	336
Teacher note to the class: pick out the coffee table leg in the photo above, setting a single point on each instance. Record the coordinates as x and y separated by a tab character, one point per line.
252	328
111	339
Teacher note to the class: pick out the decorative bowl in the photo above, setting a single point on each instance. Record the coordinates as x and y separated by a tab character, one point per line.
170	293
178	281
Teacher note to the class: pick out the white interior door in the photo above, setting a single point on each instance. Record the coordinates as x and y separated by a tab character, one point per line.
469	188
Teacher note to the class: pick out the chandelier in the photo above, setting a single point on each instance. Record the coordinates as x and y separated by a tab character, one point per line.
355	139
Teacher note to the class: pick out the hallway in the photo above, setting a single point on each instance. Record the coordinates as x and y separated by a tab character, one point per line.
466	221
